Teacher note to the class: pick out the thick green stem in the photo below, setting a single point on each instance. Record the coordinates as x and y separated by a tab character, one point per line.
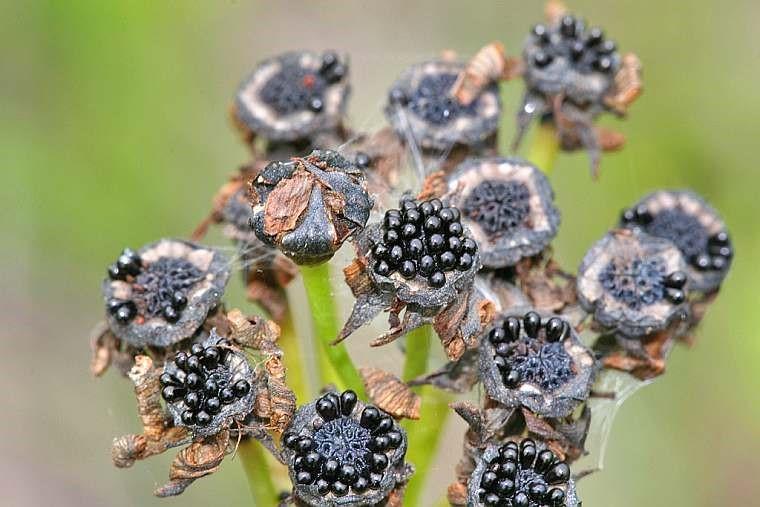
544	147
293	358
257	472
425	434
333	362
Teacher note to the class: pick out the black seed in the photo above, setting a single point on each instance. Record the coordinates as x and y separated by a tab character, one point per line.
643	216
512	379
455	244
676	279
361	485
336	73
436	204
555	328
170	314
384	426
391	237
304	445
720	238
469	246
193	380
179	300
375	480
203	418
380	251
196	349
330	469
382	268
181	360
718	263
433	224
675	296
426	265
323	487
437	279
188	417
447	260
348	474
127	265
408	269
210	357
409	231
607	47
491	499
213	405
721	250
567	26
192	400
167	379
436	242
556	497
172	393
412	216
456	229
289	440
527	455
512	327
370	418
395	255
489	479
226	395
520	500
603	64
326	409
303	478
505	487
465	262
595	36
426	208
558	473
537	491
329	59
241	388
539	31
532	322
702	262
338	488
628	216
347	402
509	469
544	460
577	49
113	305
502	349
499	362
210	386
541	59
415	248
397	96
379	443
379	462
126	312
193	363
362	160
394	439
497	335
312	460
446	215
114	273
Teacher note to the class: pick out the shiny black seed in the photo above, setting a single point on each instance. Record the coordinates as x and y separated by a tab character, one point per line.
426	265
326	409
436	204
384	426
558	473
433	224
127	265
397	96
505	487
502	349
455	244
537	490
508	469
595	36
412	216
304	445
541	59
456	229
361	485
193	380
391	237
497	335
603	64
379	443
676	279
303	478
446	215
338	488
489	479
577	49
126	312
437	279
392	220
312	460
721	250
227	395
532	322
330	469
375	480
213	405
329	59
370	418
347	402
675	296
643	216
702	262
520	500
181	360
323	487
527	456
394	439
426	208
289	440
544	460
465	262
628	216
491	499
395	255
241	388
415	248
348	474
210	386
382	268
193	363
718	263
196	349
113	305
556	497
379	462
447	260
408	231
512	327
362	160
469	246
408	269
555	328
380	251
210	357
607	47
436	242
172	393
114	273
179	300
336	73
500	362
512	379
720	238
188	417
192	400
540	32
203	418
567	26
167	379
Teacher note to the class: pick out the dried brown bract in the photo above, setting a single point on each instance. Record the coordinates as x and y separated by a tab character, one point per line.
489	65
390	394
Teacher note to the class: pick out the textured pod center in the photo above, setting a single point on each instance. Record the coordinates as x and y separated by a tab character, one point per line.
293	89
432	101
688	234
499	207
160	284
636	283
345	441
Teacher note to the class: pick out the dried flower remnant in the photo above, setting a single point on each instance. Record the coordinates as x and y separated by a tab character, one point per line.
521	474
633	283
293	96
508	206
380	156
420	260
420	105
340	451
536	363
693	226
573	74
309	206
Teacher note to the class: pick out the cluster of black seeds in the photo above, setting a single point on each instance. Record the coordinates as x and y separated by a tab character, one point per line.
499	207
203	383
342	453
536	356
425	239
523	476
642	282
362	160
432	101
294	88
586	50
702	250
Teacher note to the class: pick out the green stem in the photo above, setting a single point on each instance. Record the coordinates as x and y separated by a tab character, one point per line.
333	362
293	358
425	434
544	148
257	472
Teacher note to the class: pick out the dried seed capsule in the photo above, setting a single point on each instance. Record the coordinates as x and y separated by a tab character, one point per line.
294	95
543	367
622	281
421	100
508	205
530	484
355	451
171	288
687	220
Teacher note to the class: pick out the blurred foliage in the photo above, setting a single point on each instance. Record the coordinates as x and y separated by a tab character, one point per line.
113	132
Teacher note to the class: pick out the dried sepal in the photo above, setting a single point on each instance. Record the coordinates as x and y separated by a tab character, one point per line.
628	85
549	288
201	458
390	394
380	156
458	376
489	65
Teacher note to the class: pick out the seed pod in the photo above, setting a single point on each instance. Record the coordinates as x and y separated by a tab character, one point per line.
633	283
521	473
340	451
162	293
420	104
309	206
508	205
698	231
537	363
293	96
209	387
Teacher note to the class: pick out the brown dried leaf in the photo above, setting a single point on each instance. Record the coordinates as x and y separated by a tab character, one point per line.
197	460
487	66
287	202
254	332
103	344
390	394
628	85
434	186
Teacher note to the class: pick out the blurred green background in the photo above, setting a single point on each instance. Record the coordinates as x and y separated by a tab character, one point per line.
113	132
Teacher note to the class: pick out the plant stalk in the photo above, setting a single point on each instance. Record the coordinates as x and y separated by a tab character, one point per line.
333	362
544	147
294	359
258	474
